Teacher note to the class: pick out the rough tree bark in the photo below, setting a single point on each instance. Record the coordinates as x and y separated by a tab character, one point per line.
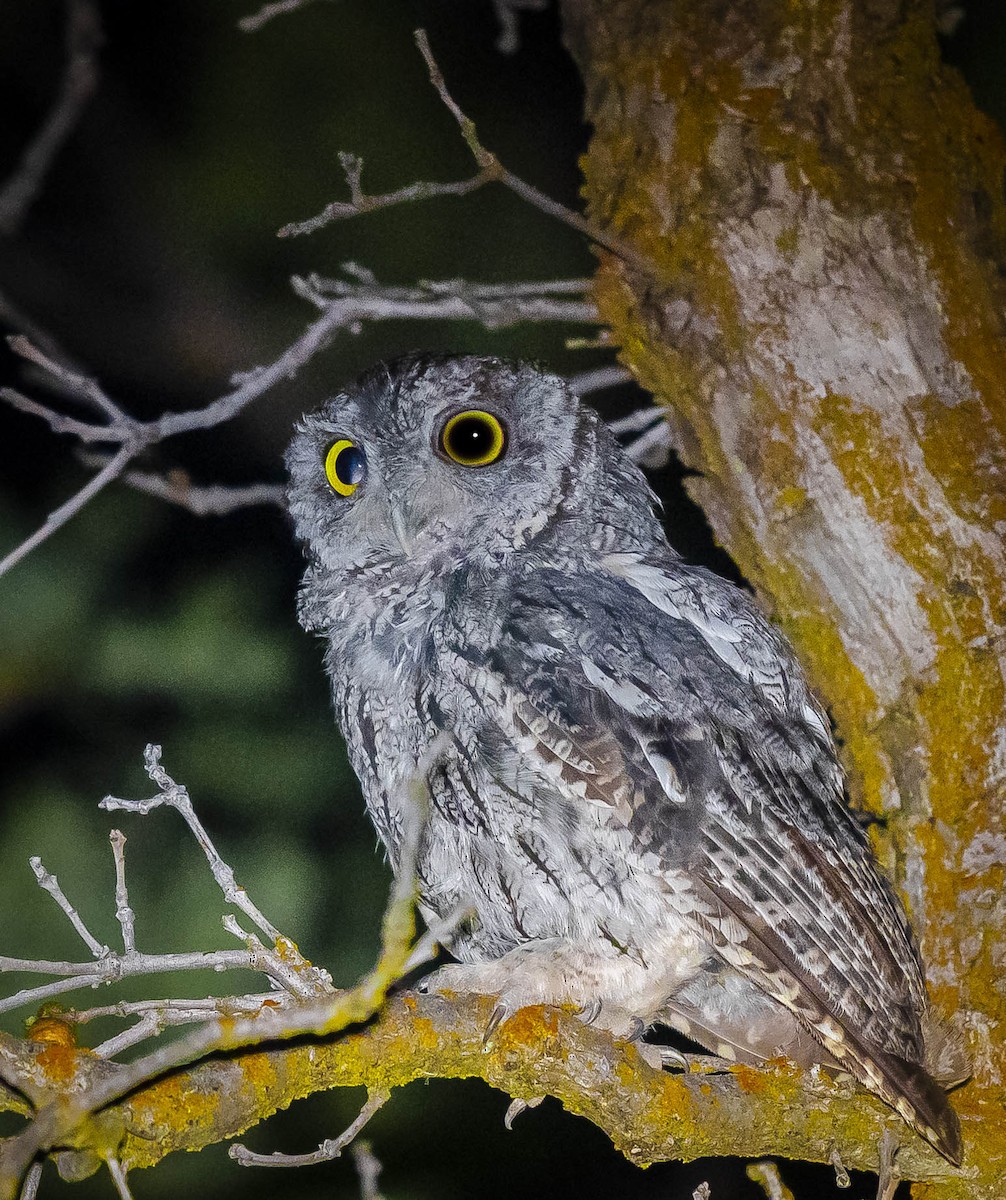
822	206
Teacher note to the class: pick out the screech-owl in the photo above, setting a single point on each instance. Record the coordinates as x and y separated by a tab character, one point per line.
634	787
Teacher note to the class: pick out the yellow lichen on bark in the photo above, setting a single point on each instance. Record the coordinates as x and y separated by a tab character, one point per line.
821	206
649	1114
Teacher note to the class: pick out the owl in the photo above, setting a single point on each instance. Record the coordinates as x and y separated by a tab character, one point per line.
630	782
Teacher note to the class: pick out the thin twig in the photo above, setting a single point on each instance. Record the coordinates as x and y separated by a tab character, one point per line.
766	1175
133	436
324	1015
368	1169
31	1182
342	304
329	1149
118	1174
49	883
80	77
204	500
57	519
178	1010
508	41
266	13
489	170
123	913
173	795
493	169
842	1179
83	387
599	378
148	1026
493	305
112	967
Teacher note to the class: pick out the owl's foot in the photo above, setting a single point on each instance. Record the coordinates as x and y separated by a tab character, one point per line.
544	972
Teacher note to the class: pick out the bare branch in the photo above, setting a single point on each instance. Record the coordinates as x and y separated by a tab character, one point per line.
76	384
368	1168
359	202
508	41
322	1015
83	38
31	1182
342	304
494	305
173	795
489	170
113	967
148	1026
204	500
266	13
599	378
490	166
58	518
49	883
123	913
330	1149
118	1174
766	1175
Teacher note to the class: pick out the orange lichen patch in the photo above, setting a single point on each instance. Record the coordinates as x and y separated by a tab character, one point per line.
59	1056
288	951
425	1032
751	1080
53	1030
530	1025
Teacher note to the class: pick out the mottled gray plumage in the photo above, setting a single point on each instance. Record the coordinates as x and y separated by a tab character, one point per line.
634	787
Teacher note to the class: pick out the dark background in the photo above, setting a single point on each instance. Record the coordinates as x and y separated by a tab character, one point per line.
151	257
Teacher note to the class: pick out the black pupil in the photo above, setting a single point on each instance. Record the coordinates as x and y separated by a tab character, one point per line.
350	465
471	438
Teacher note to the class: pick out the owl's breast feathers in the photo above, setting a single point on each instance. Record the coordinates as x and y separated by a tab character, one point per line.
657	694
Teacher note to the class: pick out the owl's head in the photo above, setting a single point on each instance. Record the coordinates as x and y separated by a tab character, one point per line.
437	460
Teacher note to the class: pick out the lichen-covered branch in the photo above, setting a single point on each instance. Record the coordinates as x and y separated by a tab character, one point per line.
649	1114
821	208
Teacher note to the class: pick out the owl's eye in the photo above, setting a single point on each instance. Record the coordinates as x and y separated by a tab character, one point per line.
473	438
345	466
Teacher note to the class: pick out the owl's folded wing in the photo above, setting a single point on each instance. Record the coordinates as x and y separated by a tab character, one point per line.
718	761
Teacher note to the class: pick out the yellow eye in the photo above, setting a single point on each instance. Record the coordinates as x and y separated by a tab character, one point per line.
473	438
345	466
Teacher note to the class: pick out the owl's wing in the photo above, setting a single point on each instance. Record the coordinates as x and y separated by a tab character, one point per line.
670	699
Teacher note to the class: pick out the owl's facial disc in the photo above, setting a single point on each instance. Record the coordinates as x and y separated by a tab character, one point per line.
435	461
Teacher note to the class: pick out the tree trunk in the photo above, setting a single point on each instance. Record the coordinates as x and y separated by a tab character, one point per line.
822	207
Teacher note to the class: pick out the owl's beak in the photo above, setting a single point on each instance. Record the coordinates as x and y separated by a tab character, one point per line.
398	525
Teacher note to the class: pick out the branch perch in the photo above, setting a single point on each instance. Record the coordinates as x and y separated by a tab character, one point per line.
649	1115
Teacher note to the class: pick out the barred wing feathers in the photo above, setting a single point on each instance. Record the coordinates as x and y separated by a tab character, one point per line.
721	764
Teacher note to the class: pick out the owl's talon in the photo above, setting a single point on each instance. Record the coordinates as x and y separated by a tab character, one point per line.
502	1012
672	1060
589	1012
636	1030
519	1106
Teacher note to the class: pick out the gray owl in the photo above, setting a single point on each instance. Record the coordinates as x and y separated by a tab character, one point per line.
634	788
